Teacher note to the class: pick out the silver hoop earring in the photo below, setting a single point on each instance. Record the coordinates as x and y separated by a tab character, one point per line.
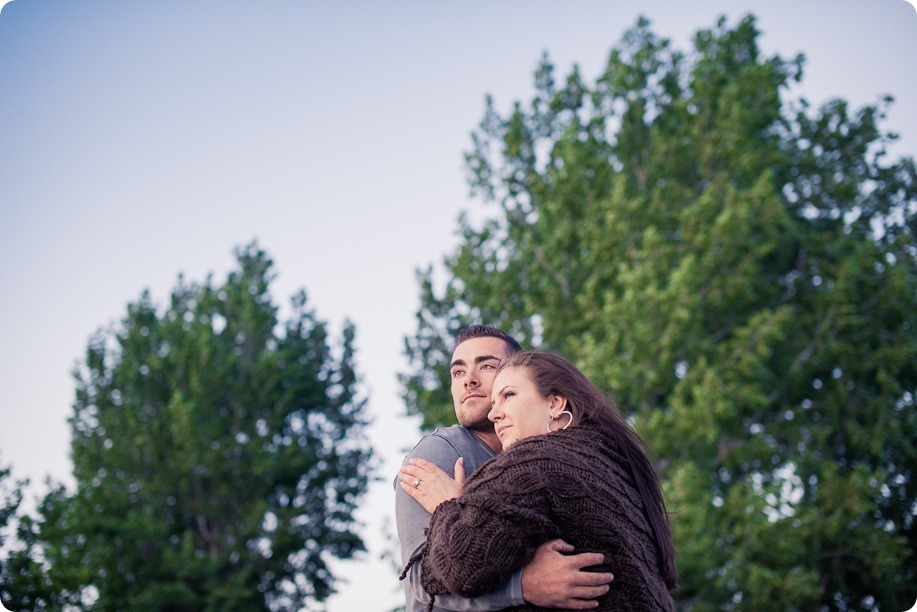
568	413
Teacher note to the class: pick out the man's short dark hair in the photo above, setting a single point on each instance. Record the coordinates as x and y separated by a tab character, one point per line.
486	331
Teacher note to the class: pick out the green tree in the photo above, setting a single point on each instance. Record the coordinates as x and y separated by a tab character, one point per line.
10	498
43	571
739	271
218	458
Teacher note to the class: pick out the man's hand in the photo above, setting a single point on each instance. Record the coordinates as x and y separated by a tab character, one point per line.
556	580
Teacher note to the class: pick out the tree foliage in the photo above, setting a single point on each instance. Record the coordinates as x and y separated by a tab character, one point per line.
739	271
10	499
218	457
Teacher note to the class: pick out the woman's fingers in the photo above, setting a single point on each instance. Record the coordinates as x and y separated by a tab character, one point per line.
459	471
409	473
426	471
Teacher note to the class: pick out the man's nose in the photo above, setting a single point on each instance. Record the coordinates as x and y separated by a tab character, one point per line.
471	380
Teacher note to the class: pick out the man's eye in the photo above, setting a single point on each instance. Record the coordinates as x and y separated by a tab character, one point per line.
488	366
457	373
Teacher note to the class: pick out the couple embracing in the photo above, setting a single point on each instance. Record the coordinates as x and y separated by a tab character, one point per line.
562	508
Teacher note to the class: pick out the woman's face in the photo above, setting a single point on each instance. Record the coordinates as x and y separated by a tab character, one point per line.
519	411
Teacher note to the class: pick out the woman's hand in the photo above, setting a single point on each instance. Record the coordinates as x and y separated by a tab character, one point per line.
429	485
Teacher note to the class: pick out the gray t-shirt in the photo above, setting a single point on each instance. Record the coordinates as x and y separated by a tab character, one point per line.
443	447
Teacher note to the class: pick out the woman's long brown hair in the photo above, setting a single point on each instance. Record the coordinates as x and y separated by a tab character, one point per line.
552	374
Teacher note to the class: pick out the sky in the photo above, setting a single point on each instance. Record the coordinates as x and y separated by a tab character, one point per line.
143	140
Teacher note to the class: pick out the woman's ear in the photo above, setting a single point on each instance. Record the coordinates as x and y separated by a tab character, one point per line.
558	405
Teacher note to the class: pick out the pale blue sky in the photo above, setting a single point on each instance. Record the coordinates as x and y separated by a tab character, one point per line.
138	140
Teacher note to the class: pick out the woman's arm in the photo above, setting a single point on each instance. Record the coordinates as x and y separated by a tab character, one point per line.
477	541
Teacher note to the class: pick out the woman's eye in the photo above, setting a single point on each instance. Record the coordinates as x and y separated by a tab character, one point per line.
508	394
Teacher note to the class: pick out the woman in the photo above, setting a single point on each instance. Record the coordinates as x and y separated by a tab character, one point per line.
571	468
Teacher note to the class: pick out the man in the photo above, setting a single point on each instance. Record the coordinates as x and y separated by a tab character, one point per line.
552	579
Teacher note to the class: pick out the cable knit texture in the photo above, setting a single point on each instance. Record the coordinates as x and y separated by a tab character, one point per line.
571	484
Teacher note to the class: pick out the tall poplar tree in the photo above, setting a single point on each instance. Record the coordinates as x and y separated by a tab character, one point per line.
10	498
218	457
738	270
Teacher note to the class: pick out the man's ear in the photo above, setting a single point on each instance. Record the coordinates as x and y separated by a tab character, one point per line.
558	405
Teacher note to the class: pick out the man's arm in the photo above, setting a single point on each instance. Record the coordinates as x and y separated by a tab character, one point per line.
555	579
552	579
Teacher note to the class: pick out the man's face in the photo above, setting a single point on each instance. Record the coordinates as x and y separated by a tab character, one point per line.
473	367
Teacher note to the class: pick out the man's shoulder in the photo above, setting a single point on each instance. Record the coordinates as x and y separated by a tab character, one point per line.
455	437
446	444
453	433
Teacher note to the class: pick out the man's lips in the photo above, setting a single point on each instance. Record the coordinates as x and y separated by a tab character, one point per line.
470	395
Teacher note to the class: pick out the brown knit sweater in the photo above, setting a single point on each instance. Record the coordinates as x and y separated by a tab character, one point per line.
571	484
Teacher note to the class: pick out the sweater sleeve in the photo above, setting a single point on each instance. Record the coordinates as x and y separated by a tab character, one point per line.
477	541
